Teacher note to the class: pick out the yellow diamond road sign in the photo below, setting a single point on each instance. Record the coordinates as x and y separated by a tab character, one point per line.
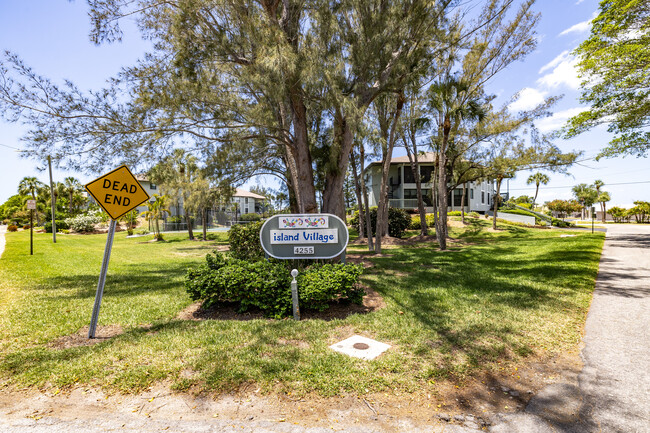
117	192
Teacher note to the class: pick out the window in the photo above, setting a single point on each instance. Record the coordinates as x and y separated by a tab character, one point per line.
408	175
482	197
471	193
153	186
458	197
412	194
488	198
246	200
245	210
426	172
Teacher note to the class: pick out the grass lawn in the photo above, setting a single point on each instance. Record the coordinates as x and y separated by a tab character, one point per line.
493	297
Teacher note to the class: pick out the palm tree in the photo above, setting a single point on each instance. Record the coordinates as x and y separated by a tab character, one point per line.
155	210
537	178
603	198
586	195
71	187
30	186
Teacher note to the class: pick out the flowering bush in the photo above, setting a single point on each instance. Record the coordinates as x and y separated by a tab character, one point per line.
83	223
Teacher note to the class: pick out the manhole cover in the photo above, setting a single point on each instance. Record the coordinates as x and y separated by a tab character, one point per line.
360	347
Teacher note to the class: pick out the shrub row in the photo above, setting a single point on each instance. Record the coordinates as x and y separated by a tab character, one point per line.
398	221
266	285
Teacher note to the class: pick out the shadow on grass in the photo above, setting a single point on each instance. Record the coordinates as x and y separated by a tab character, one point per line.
512	277
128	282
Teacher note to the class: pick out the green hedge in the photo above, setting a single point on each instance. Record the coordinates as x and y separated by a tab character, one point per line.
266	285
244	240
398	221
250	217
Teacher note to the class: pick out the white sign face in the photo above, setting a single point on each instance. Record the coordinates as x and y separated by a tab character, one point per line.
303	222
31	204
326	236
303	250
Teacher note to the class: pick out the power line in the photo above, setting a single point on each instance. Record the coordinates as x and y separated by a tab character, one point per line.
571	186
11	147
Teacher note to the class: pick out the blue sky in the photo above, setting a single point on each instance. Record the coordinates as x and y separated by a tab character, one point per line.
51	36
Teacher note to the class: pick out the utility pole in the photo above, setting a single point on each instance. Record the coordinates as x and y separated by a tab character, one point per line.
49	164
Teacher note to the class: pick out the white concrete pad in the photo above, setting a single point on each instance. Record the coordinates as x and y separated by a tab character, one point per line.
360	347
567	236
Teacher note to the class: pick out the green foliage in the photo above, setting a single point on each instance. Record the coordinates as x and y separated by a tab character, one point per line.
560	223
399	221
415	221
615	60
12	228
619	214
244	241
60	225
250	217
82	223
563	207
641	211
266	285
318	285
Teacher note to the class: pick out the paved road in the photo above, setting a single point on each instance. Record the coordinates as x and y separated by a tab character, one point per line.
612	393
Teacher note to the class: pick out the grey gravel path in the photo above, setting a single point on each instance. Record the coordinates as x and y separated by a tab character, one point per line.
612	393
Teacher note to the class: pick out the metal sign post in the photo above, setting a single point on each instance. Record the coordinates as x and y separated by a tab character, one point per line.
102	279
117	192
593	217
294	295
31	205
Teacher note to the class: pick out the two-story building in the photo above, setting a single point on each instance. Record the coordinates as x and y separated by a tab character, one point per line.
243	201
402	191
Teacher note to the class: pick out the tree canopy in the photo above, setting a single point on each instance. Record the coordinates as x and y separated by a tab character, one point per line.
615	65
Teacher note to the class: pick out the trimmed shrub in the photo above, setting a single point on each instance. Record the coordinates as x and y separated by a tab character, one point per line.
474	214
398	221
244	241
250	217
26	227
12	228
415	221
266	285
60	225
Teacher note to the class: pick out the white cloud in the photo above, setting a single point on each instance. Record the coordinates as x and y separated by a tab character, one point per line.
557	120
579	1
563	72
581	27
528	99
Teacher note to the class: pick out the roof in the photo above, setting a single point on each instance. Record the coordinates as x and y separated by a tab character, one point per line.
141	178
426	157
243	193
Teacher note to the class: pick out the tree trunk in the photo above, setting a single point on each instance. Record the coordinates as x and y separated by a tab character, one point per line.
604	207
188	221
357	190
462	203
535	199
441	228
204	222
496	202
364	193
382	210
335	177
415	167
302	156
